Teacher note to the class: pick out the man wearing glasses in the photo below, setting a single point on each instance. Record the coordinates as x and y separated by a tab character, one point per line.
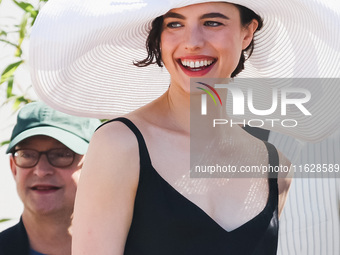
46	155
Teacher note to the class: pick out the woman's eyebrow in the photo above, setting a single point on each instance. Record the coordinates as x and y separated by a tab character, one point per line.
173	15
213	15
204	16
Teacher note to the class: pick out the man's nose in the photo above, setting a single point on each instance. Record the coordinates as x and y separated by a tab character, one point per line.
43	167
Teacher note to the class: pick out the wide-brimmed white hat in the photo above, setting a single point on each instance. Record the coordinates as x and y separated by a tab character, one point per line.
82	51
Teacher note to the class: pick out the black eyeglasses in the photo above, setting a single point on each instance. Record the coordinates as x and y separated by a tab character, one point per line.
27	158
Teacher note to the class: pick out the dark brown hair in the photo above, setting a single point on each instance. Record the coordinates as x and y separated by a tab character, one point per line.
154	39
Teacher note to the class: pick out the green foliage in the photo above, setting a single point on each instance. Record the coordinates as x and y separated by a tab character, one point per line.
3	220
8	73
4	143
18	31
12	36
28	8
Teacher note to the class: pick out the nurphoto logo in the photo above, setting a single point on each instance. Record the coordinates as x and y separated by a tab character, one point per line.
204	97
278	102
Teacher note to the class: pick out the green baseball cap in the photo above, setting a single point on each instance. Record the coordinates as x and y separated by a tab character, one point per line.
39	119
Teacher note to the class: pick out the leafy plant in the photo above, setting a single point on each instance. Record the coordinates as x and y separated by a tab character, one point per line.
13	36
4	220
18	31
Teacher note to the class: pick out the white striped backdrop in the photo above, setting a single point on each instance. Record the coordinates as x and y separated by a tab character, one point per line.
310	222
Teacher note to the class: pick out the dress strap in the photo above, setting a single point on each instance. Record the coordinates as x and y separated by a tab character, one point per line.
273	159
273	155
144	156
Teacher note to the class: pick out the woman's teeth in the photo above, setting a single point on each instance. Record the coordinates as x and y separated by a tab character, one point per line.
196	63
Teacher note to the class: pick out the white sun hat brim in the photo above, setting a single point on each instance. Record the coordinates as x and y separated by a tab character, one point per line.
82	51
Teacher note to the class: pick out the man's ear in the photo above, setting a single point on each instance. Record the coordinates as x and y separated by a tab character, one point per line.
249	31
13	166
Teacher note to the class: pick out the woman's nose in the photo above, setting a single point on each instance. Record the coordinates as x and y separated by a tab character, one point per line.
194	39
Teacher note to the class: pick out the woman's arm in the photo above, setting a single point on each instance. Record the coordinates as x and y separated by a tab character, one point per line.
106	192
284	180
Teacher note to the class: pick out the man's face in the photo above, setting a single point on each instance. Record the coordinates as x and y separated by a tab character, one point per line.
45	189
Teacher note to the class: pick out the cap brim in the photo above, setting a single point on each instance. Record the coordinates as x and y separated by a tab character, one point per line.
75	143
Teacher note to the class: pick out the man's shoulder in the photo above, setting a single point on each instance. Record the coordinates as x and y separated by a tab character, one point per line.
14	240
10	232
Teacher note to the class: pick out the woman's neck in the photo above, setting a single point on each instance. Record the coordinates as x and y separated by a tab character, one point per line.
182	111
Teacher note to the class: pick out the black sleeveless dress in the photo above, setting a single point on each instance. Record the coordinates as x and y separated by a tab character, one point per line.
166	223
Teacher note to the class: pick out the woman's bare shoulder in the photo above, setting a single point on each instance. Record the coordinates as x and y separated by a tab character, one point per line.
284	180
285	165
109	181
113	155
114	148
114	133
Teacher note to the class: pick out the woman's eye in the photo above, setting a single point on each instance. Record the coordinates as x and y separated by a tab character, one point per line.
212	23
174	25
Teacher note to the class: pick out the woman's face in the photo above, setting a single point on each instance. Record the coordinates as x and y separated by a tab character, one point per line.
203	40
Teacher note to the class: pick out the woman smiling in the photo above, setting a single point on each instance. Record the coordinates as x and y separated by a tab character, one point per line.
136	195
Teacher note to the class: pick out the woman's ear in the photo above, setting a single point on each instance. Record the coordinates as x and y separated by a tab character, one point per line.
249	31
